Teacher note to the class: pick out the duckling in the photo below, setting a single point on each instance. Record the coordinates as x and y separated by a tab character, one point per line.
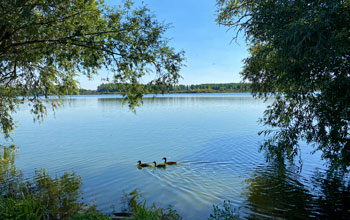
143	164
169	162
159	165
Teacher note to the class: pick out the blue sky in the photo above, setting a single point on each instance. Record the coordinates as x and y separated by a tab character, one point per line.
210	57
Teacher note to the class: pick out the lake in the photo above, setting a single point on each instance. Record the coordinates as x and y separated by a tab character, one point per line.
212	136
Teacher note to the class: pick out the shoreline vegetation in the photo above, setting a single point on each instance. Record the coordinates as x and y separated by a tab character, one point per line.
114	88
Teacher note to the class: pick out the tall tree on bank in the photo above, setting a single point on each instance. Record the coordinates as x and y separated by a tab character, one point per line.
45	44
300	53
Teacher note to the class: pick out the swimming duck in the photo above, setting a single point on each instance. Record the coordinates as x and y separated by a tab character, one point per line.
169	162
159	165
143	164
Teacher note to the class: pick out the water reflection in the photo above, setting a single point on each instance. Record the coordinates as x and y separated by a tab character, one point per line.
183	100
9	174
214	137
281	193
331	195
41	197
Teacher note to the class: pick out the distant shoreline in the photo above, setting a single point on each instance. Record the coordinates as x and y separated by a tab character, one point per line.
168	92
115	88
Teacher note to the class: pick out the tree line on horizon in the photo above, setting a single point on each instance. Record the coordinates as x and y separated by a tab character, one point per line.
108	88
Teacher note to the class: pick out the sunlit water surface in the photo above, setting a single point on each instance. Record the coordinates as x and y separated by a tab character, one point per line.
212	136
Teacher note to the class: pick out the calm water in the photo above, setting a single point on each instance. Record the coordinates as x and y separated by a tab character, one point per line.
212	136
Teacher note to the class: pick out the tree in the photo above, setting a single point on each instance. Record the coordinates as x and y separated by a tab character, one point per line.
45	44
300	54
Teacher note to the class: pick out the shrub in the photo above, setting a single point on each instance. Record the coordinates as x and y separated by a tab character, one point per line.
28	208
137	205
227	212
90	215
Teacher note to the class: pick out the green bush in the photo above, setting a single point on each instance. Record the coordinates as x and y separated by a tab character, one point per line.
137	205
90	215
226	212
44	198
28	208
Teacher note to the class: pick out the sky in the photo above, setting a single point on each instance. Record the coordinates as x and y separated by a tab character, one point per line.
211	55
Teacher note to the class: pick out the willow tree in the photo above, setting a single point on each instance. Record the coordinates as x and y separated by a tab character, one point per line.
299	53
45	44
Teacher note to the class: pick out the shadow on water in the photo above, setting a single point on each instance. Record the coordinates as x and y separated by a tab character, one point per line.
280	192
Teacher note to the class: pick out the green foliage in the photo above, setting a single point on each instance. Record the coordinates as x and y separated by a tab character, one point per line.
141	211
91	215
45	197
106	88
300	53
226	212
29	208
44	45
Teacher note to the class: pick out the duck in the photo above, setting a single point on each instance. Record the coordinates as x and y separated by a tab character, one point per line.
159	165
169	162
143	164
